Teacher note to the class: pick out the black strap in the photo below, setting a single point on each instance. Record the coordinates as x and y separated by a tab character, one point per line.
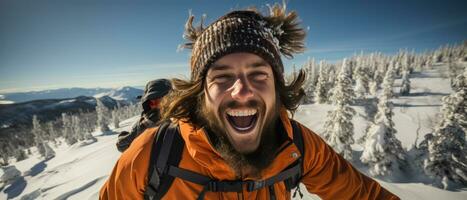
294	182
232	186
298	137
168	141
154	181
272	193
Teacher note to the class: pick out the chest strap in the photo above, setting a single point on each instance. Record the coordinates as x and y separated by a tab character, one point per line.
211	185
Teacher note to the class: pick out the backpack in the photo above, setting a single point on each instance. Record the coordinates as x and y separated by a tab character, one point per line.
166	154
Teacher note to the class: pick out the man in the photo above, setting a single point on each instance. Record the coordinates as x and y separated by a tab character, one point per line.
150	101
233	118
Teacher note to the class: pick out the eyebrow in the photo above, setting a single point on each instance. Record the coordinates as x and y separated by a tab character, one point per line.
256	64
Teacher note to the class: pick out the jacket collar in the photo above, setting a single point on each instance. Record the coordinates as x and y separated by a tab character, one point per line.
204	154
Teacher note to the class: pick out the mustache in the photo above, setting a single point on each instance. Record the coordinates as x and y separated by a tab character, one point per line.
249	104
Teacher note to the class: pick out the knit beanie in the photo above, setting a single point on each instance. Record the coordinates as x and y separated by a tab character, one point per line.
245	31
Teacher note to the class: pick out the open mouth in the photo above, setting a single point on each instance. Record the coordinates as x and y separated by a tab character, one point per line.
242	120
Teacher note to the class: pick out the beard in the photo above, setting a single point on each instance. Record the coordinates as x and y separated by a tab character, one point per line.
251	163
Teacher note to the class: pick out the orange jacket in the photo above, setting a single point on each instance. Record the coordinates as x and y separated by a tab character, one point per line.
325	173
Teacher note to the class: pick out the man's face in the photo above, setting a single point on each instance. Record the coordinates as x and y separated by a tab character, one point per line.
240	94
154	103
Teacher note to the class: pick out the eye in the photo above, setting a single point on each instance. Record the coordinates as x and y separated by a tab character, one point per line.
259	76
222	78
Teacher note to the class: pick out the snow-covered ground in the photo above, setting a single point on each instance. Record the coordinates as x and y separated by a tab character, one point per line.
77	172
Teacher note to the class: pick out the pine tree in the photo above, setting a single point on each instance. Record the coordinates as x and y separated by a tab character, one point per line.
330	85
102	113
388	82
375	83
447	151
321	90
361	86
82	128
405	87
115	118
382	151
77	127
309	85
68	133
373	87
54	135
42	146
339	128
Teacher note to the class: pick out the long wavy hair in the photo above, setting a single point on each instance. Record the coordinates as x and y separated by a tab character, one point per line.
184	102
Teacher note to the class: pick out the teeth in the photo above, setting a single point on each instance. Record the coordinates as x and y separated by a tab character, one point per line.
242	113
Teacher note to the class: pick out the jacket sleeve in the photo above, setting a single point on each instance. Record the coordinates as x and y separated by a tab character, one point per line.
330	176
128	179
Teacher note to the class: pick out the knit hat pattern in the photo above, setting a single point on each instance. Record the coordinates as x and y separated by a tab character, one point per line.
245	31
239	31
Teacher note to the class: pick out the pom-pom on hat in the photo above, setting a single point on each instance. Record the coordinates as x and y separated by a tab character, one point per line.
245	31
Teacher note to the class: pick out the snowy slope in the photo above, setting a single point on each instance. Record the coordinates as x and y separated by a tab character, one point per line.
77	172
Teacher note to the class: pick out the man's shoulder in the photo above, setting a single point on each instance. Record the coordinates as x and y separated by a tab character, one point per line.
311	140
140	149
306	132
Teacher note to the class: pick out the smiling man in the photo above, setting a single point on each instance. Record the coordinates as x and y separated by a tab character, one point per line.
228	132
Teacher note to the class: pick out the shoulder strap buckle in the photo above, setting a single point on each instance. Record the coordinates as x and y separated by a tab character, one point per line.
255	185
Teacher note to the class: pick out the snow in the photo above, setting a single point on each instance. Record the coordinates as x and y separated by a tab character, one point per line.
67	101
6	102
78	171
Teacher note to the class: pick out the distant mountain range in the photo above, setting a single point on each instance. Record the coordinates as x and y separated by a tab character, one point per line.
123	93
17	109
20	114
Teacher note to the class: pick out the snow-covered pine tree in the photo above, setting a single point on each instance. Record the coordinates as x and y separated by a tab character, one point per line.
339	128
77	127
378	77
42	146
68	133
52	131
405	87
102	120
388	82
447	151
362	80
309	85
37	132
115	118
83	127
331	83
382	151
373	87
320	93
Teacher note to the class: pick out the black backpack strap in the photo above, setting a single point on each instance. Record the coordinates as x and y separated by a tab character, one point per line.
298	141
166	150
298	137
232	186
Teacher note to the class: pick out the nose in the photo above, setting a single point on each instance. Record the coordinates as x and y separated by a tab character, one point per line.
241	90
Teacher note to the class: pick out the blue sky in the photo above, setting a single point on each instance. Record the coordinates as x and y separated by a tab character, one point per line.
91	43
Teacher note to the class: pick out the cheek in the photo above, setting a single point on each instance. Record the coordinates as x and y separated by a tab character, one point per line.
268	93
213	96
